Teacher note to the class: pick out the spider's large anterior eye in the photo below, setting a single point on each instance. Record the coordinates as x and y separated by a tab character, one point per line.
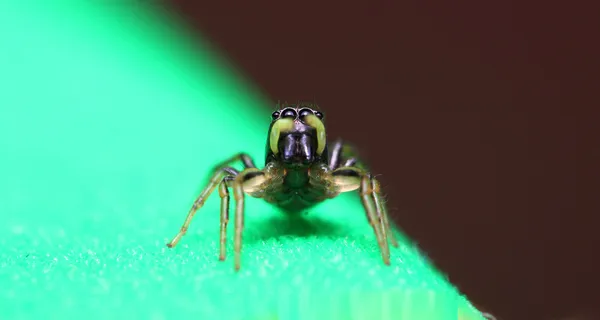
304	112
288	113
319	115
275	115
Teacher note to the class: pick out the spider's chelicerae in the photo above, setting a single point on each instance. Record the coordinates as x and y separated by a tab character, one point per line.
300	171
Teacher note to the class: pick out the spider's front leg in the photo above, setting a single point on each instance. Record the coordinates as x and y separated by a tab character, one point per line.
253	182
342	156
346	175
345	179
223	174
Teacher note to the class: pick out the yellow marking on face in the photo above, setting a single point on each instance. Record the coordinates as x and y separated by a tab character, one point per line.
316	123
281	125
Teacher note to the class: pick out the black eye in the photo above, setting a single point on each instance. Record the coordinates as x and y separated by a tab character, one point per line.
288	113
275	115
304	112
319	115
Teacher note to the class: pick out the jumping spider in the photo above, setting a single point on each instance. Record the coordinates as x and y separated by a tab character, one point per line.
299	173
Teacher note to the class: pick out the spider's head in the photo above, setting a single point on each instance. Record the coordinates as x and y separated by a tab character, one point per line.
296	136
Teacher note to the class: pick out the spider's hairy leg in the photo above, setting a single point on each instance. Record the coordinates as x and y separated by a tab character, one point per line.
341	151
348	179
221	171
382	211
344	155
215	180
336	154
224	194
244	157
252	181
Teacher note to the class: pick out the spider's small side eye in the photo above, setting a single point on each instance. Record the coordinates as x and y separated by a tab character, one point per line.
275	115
319	115
288	113
304	112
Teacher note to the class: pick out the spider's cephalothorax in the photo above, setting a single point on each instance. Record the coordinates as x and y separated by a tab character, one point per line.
300	171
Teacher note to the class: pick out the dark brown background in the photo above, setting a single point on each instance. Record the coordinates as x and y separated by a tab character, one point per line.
472	112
